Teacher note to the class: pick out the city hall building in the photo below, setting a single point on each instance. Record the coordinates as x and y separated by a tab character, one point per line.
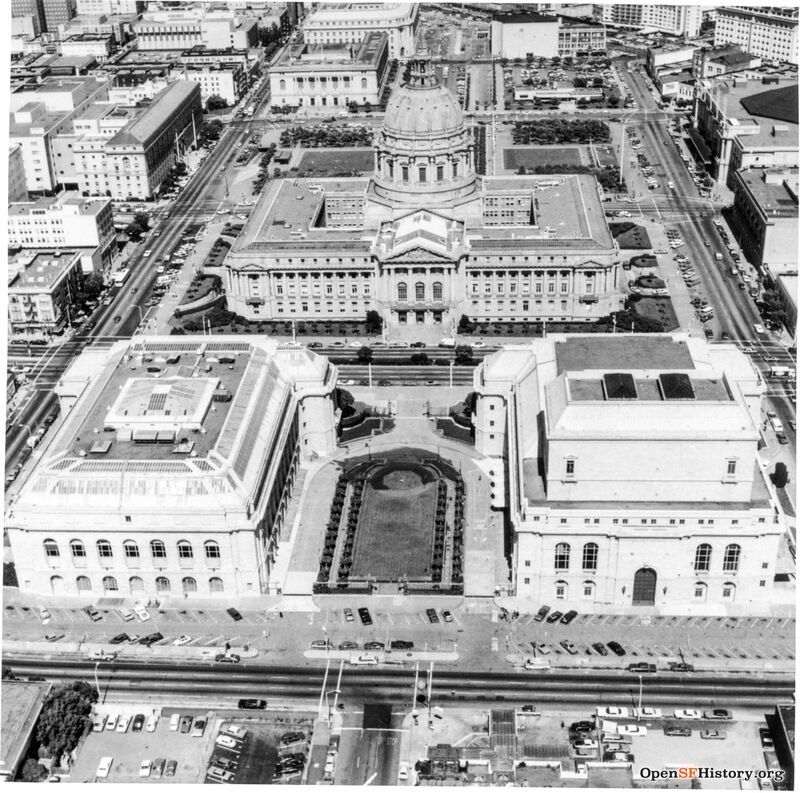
629	468
170	468
426	239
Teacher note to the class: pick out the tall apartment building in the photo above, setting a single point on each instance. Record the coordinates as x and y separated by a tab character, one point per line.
57	12
630	469
40	294
110	7
17	187
678	20
307	75
134	162
189	27
226	80
766	31
30	8
66	220
346	23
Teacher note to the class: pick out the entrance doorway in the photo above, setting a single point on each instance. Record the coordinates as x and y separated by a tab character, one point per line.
402	317
644	587
420	317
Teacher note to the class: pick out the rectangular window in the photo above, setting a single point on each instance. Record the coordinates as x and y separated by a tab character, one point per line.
404	172
570	467
423	174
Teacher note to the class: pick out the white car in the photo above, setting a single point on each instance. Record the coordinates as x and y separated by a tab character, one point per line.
758	328
147	253
104	767
648	713
478	345
402	774
144	768
111	721
611	712
234	730
671	185
174	721
358	344
624	214
151	723
44	615
585	743
142	613
124	722
688	713
631	729
181	640
227	742
98	722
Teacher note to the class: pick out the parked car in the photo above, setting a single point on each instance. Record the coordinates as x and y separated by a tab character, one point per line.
227	658
289	738
677	730
152	723
648	713
612	712
616	648
600	648
98	722
364	615
688	714
580	727
92	613
235	731
555	617
401	644
642	666
138	722
182	640
373	645
320	644
718	714
766	738
348	615
569	617
713	735
433	617
186	724
632	729
174	722
157	769
199	728
569	647
252	704
348	645
541	613
227	742
142	613
584	743
123	723
111	722
172	766
447	616
234	614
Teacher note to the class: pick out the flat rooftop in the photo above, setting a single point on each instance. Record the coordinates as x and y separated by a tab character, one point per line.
44	270
623	352
618	387
84	206
20	705
776	199
151	119
303	54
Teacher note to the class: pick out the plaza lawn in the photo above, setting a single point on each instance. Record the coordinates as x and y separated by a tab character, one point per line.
658	309
629	235
330	162
535	156
395	533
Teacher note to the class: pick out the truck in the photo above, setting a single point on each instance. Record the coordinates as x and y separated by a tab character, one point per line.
779	372
777	425
121	276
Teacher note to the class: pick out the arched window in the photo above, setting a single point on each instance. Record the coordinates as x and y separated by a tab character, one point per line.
730	561
562	588
158	549
363	82
185	550
212	550
189	585
437	290
419	291
162	584
51	549
283	85
590	556
588	589
402	291
104	549
700	591
561	559
126	162
84	584
729	591
131	549
215	585
78	549
110	584
702	558
136	584
57	584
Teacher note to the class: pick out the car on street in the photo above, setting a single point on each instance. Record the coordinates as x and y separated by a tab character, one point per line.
252	704
680	666
555	616
632	729
611	712
718	714
384	383
648	713
713	735
364	616
138	722
569	617
185	724
234	614
688	714
433	617
642	666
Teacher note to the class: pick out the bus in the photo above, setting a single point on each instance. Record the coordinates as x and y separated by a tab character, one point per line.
121	276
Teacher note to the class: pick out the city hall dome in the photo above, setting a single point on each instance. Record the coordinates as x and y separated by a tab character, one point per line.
424	154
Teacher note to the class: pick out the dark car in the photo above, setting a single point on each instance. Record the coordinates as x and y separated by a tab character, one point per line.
600	648
641	667
568	617
289	738
400	644
92	613
680	666
418	344
433	617
677	730
253	704
313	345
138	722
541	613
766	737
555	616
718	714
119	638
234	614
227	658
373	645
150	640
118	318
172	766
384	383
616	648
186	723
364	615
348	646
581	727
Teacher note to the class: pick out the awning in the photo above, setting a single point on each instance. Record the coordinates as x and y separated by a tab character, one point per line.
700	146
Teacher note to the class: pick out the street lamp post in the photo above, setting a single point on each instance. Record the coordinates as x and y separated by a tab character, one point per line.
96	681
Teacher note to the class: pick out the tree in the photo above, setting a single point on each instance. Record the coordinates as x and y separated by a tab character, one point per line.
463	354
465	325
365	355
215	102
65	717
780	477
367	107
134	231
420	359
8	673
92	288
32	771
374	323
180	169
142	219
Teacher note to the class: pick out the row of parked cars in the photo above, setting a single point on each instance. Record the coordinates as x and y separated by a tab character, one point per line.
397	644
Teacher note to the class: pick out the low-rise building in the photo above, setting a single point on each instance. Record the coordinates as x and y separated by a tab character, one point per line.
67	220
765	203
786	284
41	292
743	123
226	80
17	189
97	7
183	492
92	44
518	34
725	59
347	23
20	705
192	25
580	38
134	162
769	32
309	75
630	470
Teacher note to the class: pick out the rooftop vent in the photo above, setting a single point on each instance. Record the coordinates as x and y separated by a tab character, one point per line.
619	385
676	385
